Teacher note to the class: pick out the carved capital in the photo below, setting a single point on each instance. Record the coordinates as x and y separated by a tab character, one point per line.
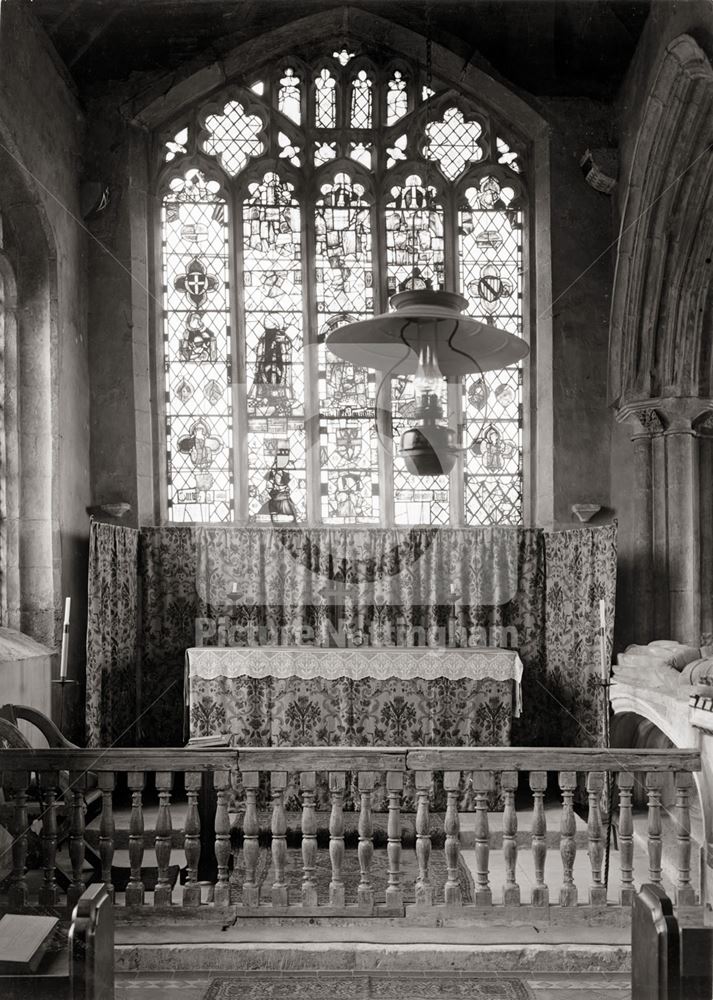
682	413
667	415
644	420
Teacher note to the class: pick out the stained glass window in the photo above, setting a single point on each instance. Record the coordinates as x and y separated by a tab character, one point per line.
272	316
414	258
197	350
344	280
490	245
302	199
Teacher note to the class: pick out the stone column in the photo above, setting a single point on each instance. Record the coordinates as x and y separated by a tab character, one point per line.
644	605
680	415
705	471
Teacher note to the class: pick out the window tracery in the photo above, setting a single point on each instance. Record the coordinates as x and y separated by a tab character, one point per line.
301	202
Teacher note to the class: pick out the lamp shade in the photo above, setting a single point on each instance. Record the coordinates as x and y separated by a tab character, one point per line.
391	341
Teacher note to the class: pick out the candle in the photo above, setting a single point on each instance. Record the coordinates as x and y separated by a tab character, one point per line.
234	589
603	641
65	641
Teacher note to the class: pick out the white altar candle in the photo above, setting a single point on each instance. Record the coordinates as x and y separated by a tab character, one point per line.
65	641
602	640
234	588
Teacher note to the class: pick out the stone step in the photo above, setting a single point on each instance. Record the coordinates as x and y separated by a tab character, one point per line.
332	944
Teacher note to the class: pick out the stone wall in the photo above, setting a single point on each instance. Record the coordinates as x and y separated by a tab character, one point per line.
41	134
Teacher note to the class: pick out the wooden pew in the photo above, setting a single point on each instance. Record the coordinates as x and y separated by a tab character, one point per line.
82	971
668	962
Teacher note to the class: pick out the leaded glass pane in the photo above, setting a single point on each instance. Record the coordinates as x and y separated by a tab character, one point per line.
453	142
233	137
361	101
176	146
508	156
348	447
414	258
361	153
324	152
325	113
272	311
288	150
396	98
197	359
288	98
490	242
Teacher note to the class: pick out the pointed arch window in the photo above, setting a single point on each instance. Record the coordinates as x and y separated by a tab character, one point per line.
301	199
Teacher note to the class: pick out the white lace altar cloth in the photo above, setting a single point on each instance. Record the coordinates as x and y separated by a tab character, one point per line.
332	663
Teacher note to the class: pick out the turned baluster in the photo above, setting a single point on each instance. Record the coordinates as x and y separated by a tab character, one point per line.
106	783
76	837
568	837
221	784
595	784
451	825
192	839
685	893
365	891
654	786
308	784
626	838
278	784
251	847
49	890
394	787
164	889
135	888
538	786
511	890
336	837
424	889
481	785
18	894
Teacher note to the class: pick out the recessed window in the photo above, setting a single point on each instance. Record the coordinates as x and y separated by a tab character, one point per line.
296	204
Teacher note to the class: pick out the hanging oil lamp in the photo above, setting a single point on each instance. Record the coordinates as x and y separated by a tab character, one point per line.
427	335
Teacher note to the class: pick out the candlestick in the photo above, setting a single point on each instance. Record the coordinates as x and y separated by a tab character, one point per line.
65	641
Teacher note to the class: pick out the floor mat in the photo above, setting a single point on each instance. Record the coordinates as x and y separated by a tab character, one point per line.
366	986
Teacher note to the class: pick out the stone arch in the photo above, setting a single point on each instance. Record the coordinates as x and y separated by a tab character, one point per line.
662	304
156	108
28	438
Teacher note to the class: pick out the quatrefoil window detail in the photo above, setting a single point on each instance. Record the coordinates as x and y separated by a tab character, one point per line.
234	137
453	142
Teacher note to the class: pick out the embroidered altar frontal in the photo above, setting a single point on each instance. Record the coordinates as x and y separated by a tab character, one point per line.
307	696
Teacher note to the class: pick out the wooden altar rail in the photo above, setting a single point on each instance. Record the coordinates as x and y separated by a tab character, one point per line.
476	763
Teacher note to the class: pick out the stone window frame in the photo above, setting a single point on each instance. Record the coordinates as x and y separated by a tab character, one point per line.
163	102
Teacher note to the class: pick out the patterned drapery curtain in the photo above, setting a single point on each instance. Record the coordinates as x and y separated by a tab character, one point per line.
580	571
112	636
487	586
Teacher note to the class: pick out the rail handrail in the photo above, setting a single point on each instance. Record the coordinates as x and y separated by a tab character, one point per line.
351	759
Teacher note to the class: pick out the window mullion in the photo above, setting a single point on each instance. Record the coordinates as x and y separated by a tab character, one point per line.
311	369
384	412
455	393
239	386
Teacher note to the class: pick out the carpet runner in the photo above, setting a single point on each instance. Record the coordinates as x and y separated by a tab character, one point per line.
366	986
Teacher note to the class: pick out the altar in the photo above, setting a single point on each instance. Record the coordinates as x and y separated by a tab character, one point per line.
353	696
